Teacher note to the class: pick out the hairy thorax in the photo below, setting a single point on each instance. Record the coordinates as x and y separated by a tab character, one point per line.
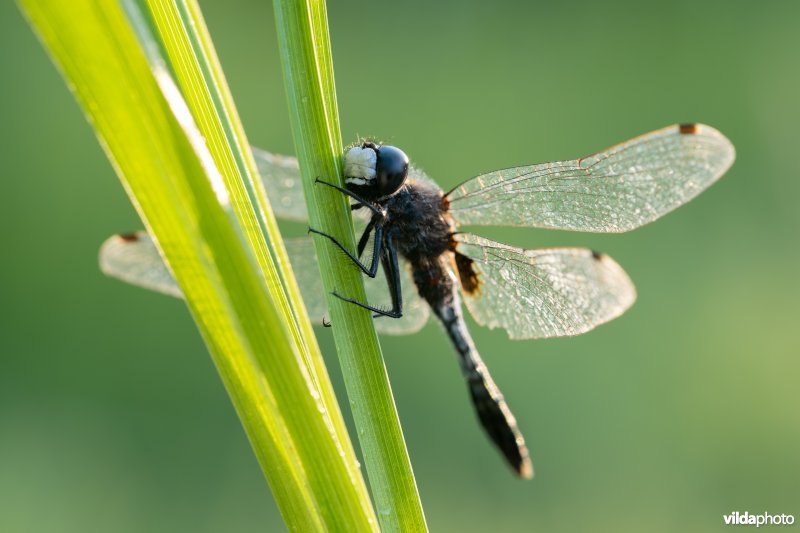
419	222
422	230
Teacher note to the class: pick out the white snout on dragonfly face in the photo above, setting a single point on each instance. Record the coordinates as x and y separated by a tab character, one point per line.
428	265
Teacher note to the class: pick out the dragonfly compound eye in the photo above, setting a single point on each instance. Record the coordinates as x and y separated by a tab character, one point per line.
391	169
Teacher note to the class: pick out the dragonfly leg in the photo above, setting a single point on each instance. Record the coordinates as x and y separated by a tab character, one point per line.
392	270
377	310
363	203
372	269
362	242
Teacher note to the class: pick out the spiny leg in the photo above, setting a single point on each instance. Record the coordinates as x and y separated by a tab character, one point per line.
362	242
390	265
364	203
392	271
371	270
377	310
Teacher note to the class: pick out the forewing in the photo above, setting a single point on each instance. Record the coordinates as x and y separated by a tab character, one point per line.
306	270
134	259
416	173
543	293
281	178
612	191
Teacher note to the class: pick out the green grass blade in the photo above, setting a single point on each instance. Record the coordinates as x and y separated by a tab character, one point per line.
188	46
308	74
151	139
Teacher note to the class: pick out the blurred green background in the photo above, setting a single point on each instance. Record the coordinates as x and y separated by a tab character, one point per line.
683	410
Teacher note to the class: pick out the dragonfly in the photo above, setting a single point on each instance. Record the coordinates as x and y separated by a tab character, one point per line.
412	244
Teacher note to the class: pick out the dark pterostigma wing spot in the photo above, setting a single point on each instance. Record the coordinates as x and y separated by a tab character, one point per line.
688	129
134	258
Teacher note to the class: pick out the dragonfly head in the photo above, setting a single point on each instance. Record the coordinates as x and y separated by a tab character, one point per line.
375	172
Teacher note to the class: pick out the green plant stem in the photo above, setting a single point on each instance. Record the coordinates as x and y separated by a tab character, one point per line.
154	143
188	44
308	75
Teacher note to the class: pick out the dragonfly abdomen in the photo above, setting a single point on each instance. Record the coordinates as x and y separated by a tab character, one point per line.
441	291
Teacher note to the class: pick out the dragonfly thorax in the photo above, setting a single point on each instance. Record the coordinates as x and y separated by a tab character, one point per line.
375	172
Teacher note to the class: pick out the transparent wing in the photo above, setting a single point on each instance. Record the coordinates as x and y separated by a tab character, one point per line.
135	259
542	293
281	178
306	270
416	173
612	191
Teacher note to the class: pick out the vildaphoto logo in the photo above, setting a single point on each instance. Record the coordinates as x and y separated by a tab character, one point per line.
746	519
